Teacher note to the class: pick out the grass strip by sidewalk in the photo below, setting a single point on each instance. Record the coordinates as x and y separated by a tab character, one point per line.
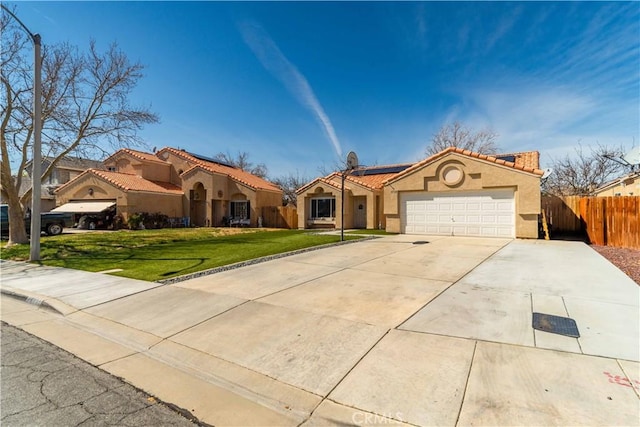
161	254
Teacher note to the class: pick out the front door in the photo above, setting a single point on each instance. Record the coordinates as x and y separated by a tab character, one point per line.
198	207
360	212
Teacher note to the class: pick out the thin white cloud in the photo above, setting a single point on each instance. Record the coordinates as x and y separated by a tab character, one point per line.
585	89
502	29
604	55
548	118
281	68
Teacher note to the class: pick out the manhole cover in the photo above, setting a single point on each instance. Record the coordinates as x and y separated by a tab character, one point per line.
556	325
420	242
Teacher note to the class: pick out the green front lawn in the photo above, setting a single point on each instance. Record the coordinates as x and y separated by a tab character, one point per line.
161	254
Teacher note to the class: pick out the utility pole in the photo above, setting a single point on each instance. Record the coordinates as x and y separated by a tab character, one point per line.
36	166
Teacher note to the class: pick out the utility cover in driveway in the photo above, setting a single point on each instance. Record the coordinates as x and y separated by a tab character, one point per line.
556	325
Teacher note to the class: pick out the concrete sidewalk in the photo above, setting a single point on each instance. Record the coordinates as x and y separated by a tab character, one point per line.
386	331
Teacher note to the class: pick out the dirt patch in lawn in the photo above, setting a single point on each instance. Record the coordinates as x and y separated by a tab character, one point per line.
627	260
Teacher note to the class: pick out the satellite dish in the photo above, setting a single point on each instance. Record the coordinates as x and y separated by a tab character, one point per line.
547	172
633	156
352	160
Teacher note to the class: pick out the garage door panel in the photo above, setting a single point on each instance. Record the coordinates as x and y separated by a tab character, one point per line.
505	219
489	219
503	232
489	213
473	219
472	229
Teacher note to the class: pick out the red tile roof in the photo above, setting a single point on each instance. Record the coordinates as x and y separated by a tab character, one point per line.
129	182
529	159
140	155
467	153
324	180
373	182
236	174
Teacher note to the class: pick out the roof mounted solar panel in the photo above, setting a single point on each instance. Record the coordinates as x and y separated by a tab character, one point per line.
210	159
511	159
380	170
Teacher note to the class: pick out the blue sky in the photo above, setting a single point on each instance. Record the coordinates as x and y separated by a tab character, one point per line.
300	84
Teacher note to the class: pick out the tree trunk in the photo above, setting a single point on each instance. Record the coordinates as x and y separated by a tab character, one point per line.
17	230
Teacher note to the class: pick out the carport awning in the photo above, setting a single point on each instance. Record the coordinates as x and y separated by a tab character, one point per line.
84	207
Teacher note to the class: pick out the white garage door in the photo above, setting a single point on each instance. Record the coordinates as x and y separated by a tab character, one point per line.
489	213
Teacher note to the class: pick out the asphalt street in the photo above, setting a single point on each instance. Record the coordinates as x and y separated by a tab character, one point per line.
44	385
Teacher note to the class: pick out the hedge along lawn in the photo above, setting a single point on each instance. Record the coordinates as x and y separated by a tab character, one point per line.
161	254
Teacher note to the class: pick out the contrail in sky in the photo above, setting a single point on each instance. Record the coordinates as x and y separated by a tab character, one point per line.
277	64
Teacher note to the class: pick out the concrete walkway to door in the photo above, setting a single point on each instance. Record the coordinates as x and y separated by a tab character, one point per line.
405	330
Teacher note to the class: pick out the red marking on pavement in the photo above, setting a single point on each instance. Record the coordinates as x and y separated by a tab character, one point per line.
617	379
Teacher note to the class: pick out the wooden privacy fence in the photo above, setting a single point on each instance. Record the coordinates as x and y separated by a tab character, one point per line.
563	213
611	221
280	217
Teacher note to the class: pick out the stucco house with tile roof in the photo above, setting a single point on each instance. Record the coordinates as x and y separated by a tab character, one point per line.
173	182
454	192
320	203
627	185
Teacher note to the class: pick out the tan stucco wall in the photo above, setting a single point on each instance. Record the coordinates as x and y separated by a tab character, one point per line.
478	175
153	171
167	204
178	166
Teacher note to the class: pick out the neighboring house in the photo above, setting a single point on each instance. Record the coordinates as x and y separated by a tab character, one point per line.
66	169
628	185
454	192
172	182
319	202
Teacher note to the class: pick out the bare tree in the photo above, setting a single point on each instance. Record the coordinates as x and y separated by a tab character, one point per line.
583	172
242	162
458	135
289	184
85	109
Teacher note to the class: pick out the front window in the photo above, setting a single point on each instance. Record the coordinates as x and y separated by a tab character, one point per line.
240	209
323	208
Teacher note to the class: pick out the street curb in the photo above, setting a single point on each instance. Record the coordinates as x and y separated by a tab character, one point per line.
33	300
249	262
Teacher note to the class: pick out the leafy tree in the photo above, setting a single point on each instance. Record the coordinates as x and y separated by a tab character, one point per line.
289	184
458	135
242	162
85	109
583	172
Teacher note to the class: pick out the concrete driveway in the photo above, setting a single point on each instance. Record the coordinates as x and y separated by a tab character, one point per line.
389	331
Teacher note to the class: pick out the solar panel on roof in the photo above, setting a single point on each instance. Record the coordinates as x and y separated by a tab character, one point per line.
210	159
511	159
381	170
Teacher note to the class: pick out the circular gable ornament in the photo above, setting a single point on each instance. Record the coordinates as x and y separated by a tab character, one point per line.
452	175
